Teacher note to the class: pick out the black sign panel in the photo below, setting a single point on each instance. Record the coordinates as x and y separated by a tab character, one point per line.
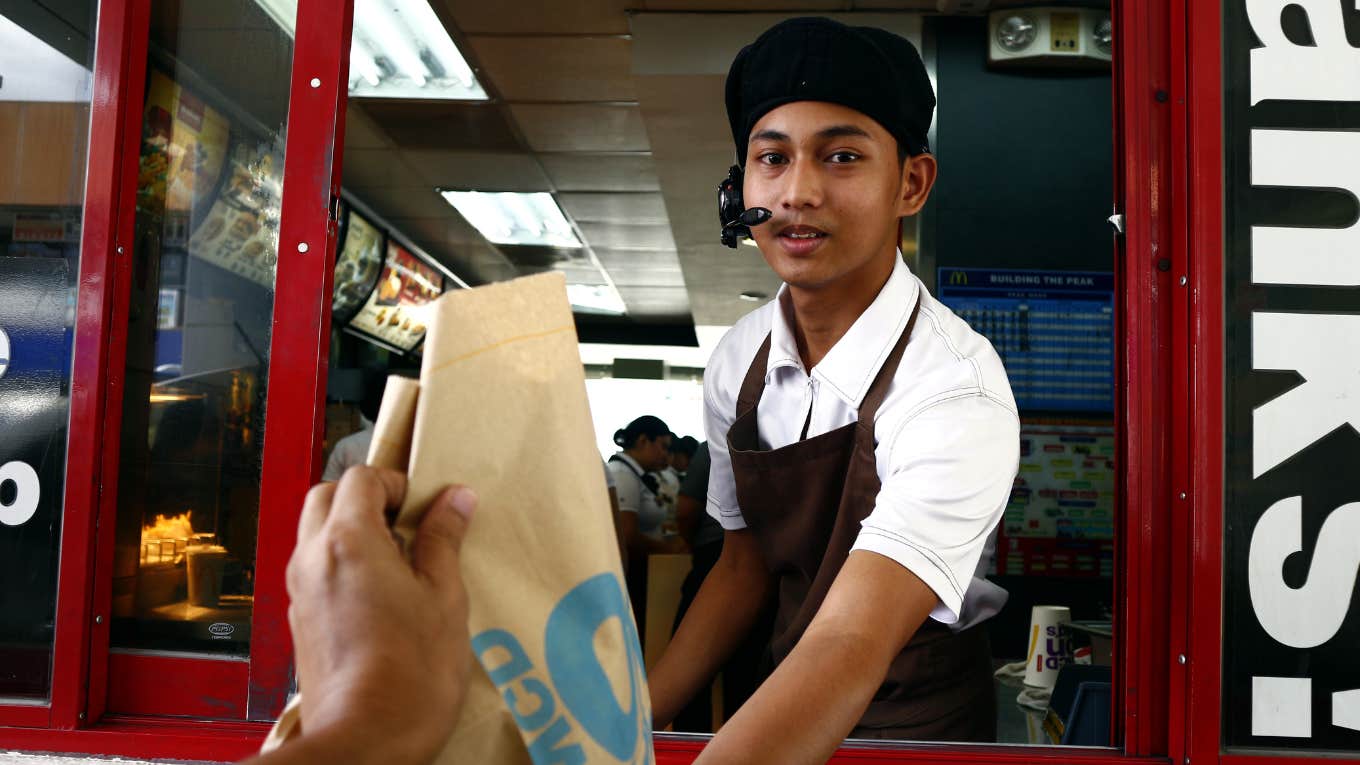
1291	632
36	313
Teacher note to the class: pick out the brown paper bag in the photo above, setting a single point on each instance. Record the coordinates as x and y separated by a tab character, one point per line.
502	408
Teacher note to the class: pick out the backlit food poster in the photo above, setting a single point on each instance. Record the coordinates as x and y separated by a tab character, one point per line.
241	231
397	311
184	146
356	271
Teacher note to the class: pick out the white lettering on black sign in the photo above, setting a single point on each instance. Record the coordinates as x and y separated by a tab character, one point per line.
17	479
27	490
1292	512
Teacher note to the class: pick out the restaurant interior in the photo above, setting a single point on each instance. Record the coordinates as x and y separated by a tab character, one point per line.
485	141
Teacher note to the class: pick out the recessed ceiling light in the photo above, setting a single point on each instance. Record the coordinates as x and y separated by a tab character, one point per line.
596	298
754	296
507	217
399	49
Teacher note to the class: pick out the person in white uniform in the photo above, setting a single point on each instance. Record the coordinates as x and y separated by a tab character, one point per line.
863	439
353	449
644	448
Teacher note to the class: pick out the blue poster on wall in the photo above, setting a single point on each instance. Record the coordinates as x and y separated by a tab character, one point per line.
1054	331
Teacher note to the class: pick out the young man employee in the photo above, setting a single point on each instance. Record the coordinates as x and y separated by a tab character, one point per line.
863	439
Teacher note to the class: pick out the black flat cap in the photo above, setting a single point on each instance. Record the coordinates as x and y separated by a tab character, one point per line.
870	70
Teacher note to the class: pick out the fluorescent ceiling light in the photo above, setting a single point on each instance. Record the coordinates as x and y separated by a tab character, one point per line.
596	298
400	49
506	217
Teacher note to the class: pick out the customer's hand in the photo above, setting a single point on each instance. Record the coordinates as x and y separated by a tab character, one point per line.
382	644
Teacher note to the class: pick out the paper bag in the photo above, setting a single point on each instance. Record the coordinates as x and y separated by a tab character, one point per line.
502	408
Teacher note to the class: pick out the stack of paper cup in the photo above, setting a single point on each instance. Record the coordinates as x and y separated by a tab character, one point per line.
1050	645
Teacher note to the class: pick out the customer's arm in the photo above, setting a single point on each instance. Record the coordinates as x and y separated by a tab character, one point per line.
381	643
728	603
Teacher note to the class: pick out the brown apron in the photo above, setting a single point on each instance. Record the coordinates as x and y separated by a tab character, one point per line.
804	503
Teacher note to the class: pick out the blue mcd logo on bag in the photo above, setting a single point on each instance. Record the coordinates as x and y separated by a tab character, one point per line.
555	705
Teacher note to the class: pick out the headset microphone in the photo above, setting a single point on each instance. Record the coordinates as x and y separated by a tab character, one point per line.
736	219
753	216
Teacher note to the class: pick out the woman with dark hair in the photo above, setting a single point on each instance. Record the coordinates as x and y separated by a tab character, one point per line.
645	446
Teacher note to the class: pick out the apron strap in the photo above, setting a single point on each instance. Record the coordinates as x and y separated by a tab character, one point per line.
753	386
878	389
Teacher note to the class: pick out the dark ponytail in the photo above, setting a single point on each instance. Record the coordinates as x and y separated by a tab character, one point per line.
646	425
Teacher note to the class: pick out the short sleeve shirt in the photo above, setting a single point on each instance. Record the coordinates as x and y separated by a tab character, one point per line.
695	485
635	497
947	434
349	451
696	479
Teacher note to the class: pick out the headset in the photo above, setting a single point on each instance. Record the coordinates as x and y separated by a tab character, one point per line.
736	219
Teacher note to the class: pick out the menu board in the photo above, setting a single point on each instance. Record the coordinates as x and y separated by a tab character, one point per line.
398	310
1054	331
1060	518
356	271
241	231
184	146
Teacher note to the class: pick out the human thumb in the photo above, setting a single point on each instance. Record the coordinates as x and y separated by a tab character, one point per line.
434	551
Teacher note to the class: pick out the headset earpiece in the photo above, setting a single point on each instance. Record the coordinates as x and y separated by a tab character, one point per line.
730	207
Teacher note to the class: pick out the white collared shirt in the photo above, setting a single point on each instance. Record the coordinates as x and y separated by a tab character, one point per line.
349	451
948	433
635	497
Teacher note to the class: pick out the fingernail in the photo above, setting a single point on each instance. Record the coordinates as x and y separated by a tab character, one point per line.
465	501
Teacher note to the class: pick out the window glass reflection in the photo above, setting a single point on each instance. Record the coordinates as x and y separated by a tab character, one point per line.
46	56
209	188
1014	241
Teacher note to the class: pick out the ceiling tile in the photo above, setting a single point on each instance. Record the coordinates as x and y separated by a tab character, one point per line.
601	172
557	68
375	168
652	301
577	273
444	124
635	258
403	202
581	127
669	276
614	208
528	17
622	237
535	256
361	132
483	171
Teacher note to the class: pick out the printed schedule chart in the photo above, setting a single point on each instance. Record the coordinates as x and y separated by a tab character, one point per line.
1054	331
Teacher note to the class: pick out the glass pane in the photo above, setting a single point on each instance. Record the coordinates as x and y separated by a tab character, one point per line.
1017	246
1015	243
208	196
46	58
1291	605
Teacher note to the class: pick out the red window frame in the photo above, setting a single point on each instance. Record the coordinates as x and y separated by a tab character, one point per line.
1167	127
1205	331
1152	553
87	677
